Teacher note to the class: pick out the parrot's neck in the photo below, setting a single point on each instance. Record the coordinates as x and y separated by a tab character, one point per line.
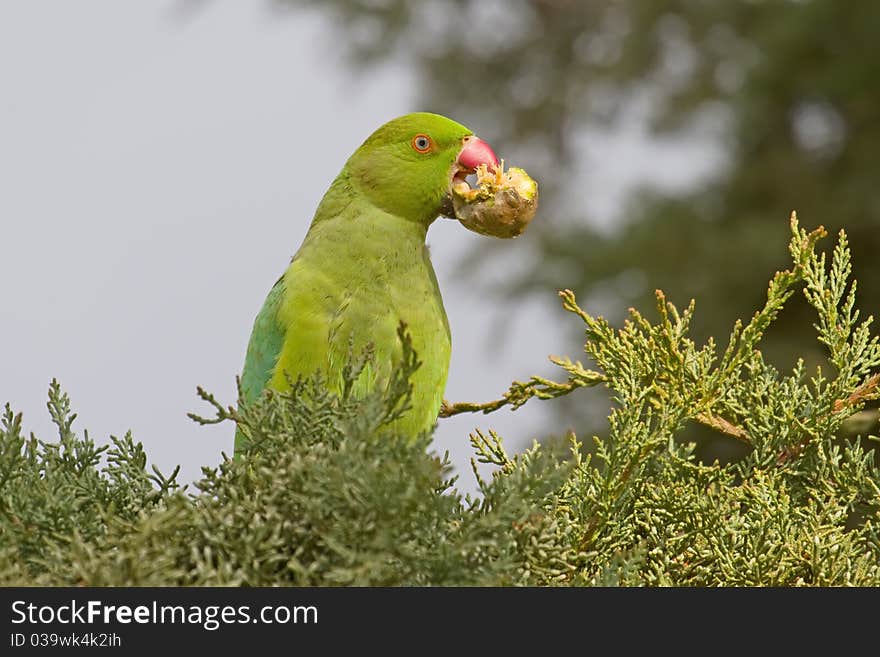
397	198
345	208
349	228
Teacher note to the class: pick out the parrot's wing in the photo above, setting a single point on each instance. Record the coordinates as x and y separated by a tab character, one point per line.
264	346
263	349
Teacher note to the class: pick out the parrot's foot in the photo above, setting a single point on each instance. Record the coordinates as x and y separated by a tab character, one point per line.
501	205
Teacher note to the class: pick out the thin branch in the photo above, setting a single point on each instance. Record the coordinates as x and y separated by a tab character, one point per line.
724	426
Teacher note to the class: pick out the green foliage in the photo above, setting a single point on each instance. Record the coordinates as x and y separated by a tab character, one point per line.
327	494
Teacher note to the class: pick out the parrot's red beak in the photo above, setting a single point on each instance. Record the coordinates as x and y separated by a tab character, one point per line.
475	153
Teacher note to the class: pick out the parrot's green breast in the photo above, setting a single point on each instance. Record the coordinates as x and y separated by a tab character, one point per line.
358	274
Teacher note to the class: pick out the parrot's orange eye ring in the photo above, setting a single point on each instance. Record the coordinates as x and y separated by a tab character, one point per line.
422	143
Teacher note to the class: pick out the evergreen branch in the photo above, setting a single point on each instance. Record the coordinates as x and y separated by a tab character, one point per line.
489	449
222	414
521	392
324	494
400	388
867	391
743	340
724	426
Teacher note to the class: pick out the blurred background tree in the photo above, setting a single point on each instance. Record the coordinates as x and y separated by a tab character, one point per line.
789	89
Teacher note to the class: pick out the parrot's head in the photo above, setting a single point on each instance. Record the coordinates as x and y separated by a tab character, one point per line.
408	166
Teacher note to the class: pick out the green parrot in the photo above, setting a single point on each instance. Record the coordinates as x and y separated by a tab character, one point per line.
363	267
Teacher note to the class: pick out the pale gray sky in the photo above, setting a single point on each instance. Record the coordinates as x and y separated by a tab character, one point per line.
156	175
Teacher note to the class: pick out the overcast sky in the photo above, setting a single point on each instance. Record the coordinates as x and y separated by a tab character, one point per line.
157	174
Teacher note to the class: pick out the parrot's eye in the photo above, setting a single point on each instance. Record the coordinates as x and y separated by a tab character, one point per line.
422	143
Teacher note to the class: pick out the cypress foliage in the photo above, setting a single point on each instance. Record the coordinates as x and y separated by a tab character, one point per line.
327	494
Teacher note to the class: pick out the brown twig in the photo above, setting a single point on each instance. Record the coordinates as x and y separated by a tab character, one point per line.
865	392
448	409
724	426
